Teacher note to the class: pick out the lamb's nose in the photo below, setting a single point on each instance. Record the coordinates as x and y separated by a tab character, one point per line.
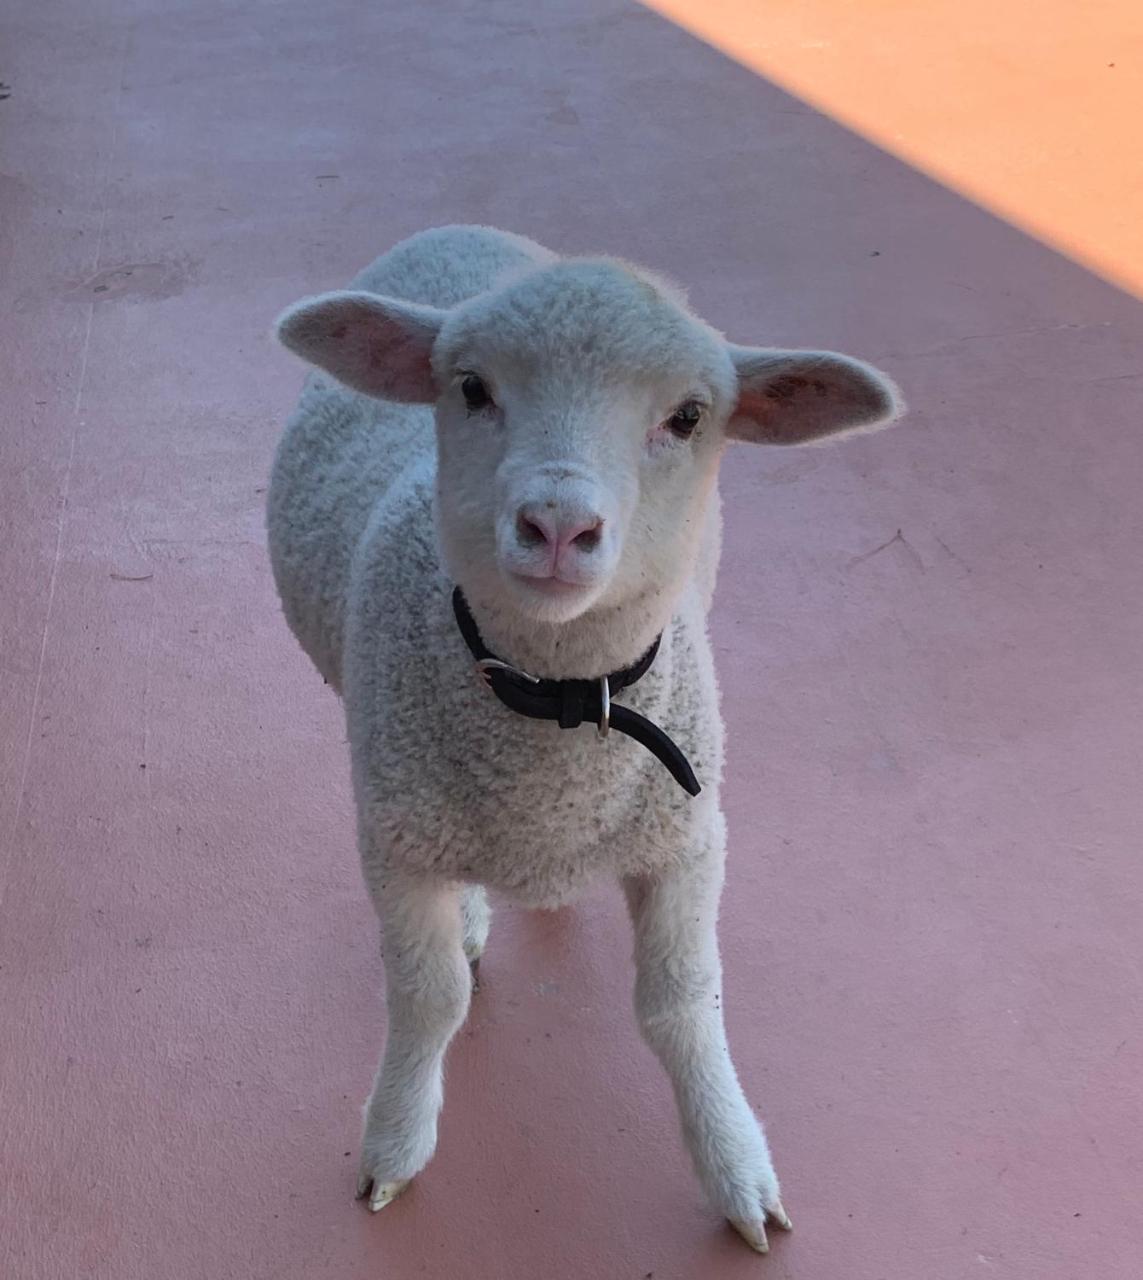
537	527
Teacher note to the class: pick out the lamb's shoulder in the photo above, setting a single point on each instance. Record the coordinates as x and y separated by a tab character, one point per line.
451	782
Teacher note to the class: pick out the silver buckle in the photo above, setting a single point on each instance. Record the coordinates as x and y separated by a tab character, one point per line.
604	726
486	666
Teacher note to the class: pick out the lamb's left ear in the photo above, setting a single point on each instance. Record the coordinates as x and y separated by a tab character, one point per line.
796	397
381	346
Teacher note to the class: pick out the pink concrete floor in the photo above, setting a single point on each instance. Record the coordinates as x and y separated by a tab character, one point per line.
931	643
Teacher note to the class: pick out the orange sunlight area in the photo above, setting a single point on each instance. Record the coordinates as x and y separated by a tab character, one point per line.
1032	110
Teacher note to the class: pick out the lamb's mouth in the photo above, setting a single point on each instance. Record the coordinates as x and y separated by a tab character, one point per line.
550	584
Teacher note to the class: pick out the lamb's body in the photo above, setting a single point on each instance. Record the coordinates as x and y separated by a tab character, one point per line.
569	486
449	781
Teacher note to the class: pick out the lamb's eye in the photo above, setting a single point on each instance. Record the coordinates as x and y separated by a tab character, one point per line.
685	418
475	393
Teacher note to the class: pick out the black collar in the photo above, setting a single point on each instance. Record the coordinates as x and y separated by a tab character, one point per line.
571	702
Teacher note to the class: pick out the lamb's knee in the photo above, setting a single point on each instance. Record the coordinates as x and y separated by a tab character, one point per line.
675	1001
431	996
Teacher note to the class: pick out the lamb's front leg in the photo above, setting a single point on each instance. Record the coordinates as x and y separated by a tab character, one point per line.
428	984
678	1003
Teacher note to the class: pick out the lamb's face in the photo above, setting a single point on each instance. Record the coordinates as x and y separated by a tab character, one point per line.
580	420
581	411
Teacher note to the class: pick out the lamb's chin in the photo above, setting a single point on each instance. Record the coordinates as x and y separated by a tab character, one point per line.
551	600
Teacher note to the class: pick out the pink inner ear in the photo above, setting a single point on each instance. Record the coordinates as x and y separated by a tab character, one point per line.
404	362
789	386
779	407
762	409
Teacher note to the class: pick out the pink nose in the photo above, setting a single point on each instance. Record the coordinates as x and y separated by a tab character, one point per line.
537	528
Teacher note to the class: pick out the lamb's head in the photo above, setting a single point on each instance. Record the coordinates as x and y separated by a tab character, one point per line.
581	413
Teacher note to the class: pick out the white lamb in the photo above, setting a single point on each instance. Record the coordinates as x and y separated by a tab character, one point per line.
569	490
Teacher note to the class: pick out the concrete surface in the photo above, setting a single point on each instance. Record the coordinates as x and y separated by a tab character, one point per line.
1033	116
930	641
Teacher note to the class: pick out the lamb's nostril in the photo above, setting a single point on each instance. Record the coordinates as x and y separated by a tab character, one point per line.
588	540
529	533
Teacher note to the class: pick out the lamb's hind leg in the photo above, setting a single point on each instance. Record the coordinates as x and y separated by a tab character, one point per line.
428	984
476	915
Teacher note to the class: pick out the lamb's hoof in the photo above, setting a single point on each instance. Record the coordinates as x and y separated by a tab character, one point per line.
754	1233
780	1216
380	1193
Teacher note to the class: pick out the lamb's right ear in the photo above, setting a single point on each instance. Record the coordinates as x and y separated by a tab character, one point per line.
381	346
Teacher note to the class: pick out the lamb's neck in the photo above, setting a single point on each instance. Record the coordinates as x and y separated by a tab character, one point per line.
598	642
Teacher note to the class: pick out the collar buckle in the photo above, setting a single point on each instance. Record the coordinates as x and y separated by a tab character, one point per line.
484	668
604	726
